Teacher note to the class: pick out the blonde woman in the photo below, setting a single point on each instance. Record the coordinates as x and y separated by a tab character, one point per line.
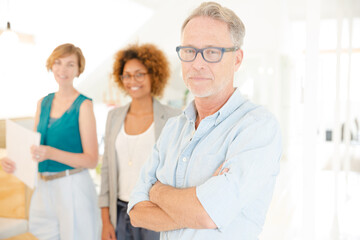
64	203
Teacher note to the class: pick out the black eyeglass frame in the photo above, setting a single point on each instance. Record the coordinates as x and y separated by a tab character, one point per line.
201	50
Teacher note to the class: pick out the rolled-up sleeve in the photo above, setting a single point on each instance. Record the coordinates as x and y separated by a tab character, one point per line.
253	162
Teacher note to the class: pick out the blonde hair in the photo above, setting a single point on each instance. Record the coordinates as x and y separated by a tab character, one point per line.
63	51
218	12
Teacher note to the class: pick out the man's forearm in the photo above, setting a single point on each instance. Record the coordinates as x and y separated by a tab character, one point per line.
182	205
148	215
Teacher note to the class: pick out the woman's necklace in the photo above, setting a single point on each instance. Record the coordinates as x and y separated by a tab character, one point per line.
143	124
131	151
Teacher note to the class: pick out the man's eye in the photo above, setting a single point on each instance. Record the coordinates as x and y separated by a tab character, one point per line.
189	50
212	51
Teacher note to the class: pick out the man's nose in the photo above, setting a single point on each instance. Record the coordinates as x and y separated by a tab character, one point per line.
199	61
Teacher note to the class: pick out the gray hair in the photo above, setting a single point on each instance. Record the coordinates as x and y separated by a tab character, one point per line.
218	12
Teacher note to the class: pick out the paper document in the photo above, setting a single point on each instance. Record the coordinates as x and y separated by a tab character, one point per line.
18	143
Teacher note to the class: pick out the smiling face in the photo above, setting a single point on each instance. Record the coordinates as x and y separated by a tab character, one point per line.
141	87
65	69
209	79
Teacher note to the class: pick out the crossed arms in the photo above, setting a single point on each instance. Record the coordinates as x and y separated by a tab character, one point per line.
171	208
252	159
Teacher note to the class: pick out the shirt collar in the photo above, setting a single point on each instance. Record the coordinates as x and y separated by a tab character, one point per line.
235	100
190	112
233	103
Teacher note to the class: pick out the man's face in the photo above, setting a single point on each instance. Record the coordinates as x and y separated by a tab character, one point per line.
205	79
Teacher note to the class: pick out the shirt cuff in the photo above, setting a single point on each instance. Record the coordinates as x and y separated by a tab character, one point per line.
139	194
216	191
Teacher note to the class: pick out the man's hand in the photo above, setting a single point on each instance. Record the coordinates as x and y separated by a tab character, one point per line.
191	214
154	191
219	172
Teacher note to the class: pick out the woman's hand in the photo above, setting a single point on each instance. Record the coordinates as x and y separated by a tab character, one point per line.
108	232
40	153
7	165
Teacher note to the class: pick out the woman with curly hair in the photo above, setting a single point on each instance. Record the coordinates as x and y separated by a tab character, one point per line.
142	71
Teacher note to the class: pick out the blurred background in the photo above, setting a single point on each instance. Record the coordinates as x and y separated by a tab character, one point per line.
301	61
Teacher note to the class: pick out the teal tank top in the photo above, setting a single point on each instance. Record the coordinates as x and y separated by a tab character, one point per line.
63	133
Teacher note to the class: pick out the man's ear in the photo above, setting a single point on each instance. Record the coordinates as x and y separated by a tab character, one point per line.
239	54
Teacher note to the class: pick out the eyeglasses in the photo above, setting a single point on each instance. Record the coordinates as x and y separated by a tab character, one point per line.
209	54
139	77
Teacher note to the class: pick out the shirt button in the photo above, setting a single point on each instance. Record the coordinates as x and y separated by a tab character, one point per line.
184	159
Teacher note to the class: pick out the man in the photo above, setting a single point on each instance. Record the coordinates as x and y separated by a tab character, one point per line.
212	171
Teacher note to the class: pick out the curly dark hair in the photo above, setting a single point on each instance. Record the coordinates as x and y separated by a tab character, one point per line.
153	59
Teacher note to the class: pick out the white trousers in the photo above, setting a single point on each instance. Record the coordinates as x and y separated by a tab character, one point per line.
65	208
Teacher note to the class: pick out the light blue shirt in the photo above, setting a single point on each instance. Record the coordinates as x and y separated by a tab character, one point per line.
244	135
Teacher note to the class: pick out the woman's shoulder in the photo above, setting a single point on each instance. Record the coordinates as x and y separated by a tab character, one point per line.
46	99
86	104
119	110
173	111
39	102
84	97
168	110
83	103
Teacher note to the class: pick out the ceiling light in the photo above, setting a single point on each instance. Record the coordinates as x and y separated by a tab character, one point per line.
8	37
